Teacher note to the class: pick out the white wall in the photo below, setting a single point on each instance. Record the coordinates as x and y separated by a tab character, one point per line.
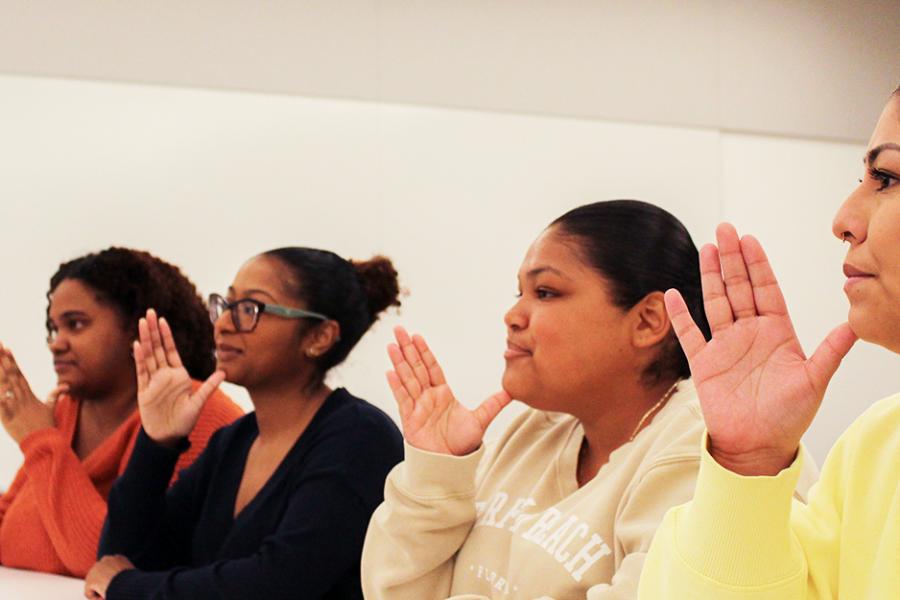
798	68
206	179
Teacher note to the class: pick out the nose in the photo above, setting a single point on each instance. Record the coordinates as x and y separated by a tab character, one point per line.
516	318
224	323
57	342
851	223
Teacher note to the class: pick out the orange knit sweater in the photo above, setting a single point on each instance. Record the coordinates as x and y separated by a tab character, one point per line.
52	514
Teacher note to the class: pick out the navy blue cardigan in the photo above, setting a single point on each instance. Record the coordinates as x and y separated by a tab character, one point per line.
300	537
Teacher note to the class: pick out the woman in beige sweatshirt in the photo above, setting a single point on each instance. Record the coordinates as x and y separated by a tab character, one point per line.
564	505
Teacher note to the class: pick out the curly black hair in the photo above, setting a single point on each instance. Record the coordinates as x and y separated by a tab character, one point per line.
131	281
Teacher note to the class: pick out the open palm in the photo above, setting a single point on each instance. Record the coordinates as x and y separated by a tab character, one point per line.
169	410
758	390
433	419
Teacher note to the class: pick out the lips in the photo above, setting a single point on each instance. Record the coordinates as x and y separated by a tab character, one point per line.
851	271
855	276
224	352
60	365
515	351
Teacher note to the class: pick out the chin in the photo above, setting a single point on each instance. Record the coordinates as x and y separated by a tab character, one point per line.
882	332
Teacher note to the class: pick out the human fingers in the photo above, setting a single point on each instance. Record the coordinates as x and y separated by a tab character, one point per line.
55	393
147	347
766	292
405	403
689	335
734	272
140	367
404	371
488	410
209	386
168	342
715	300
412	356
435	373
159	353
828	356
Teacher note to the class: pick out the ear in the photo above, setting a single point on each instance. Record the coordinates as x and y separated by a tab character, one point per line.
651	321
320	339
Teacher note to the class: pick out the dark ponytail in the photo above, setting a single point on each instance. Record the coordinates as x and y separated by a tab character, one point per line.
640	248
353	293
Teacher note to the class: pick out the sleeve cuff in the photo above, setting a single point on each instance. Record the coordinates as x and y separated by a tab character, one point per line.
428	474
35	439
738	527
133	584
153	462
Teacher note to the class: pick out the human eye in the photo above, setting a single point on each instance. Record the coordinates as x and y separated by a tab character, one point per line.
247	308
885	178
545	293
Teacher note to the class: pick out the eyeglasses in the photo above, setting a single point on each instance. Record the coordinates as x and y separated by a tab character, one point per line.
245	312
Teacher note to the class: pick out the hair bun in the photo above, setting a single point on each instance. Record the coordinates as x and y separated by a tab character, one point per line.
379	281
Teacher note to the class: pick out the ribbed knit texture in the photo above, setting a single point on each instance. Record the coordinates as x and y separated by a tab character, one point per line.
743	538
52	514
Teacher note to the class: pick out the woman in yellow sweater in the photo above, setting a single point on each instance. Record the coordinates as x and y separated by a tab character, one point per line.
741	537
564	505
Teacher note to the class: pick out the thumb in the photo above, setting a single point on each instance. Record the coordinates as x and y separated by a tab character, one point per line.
53	396
828	356
209	386
491	407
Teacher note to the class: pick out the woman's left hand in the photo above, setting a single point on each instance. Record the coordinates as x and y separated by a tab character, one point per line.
20	410
102	573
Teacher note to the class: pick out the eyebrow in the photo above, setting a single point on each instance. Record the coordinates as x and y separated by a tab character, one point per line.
251	292
545	269
69	314
872	154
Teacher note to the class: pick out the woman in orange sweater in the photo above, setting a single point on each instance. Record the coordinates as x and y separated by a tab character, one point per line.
76	444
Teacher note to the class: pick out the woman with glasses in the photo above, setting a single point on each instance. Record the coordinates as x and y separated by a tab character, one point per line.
76	445
277	505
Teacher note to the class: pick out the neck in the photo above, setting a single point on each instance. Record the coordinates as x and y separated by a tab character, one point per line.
611	420
285	408
108	410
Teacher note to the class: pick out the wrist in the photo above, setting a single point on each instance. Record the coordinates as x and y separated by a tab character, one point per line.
168	441
761	462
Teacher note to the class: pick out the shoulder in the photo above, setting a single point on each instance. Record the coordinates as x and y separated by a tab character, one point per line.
675	435
216	437
874	433
349	433
355	442
357	419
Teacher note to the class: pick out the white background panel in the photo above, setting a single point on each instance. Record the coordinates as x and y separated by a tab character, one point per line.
207	179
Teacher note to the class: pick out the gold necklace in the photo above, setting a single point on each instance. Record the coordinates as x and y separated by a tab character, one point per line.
653	408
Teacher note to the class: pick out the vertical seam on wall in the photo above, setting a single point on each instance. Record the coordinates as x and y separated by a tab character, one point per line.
720	159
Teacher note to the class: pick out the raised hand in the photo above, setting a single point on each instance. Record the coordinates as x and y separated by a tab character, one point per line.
20	410
432	418
169	410
758	390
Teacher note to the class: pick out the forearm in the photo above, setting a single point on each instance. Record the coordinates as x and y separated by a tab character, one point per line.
733	540
71	509
136	524
414	535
